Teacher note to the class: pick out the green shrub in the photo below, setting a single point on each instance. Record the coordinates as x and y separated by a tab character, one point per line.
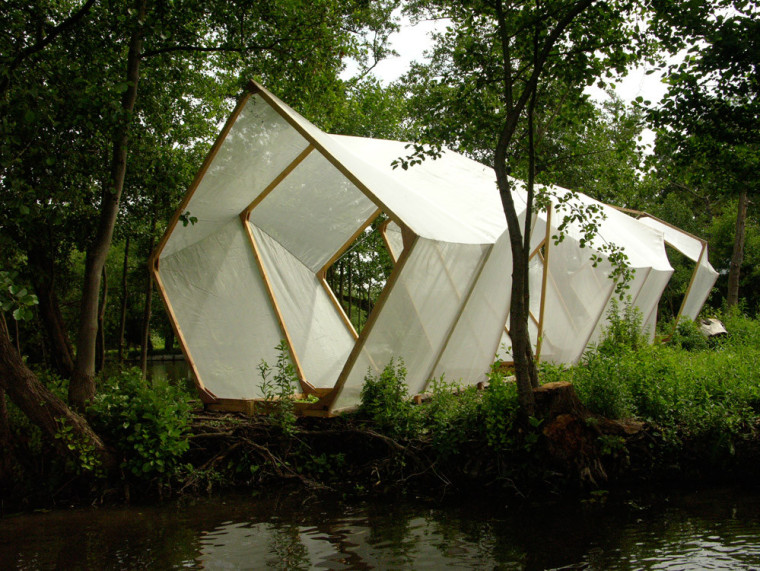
500	408
385	401
623	329
687	336
147	424
451	419
279	389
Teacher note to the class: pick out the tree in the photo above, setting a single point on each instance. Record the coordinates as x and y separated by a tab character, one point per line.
81	88
40	404
709	119
104	111
495	68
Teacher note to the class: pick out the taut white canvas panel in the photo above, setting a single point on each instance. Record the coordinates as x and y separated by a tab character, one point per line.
277	201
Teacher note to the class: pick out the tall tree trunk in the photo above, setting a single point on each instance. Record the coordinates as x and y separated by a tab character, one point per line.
169	339
5	436
525	367
147	307
44	408
82	386
100	357
737	256
43	277
123	316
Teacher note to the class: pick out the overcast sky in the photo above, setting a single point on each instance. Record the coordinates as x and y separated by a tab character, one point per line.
411	42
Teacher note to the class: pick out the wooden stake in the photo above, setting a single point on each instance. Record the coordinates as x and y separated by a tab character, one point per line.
305	385
359	346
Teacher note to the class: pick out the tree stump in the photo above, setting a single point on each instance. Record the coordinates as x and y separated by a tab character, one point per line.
571	441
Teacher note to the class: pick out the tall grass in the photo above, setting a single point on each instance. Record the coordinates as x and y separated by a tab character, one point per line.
689	387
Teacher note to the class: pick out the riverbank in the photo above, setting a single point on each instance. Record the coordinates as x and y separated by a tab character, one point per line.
629	415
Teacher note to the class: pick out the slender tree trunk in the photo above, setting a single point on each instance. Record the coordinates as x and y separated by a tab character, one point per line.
82	386
342	276
43	276
44	408
147	306
169	340
350	286
525	366
6	444
100	361
123	317
737	257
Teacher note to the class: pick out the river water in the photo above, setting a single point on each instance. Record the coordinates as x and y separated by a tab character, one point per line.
707	529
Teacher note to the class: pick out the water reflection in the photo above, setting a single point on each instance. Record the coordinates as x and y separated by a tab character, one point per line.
704	530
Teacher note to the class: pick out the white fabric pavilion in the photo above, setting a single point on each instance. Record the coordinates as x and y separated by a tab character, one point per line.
277	201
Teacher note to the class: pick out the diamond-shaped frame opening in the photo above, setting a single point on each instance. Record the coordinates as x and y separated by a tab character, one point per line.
318	330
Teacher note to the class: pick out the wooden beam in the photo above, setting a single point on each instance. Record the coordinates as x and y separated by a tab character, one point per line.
305	385
359	346
277	180
544	278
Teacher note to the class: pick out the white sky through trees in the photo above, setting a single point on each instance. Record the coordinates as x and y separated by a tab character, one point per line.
413	40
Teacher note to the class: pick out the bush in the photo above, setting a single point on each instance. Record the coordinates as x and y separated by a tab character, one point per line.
623	329
500	408
451	419
385	401
279	390
147	424
687	336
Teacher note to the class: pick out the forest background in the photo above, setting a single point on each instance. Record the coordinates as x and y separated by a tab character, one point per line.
107	109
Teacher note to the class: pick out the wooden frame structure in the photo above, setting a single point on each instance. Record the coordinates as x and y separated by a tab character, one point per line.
467	244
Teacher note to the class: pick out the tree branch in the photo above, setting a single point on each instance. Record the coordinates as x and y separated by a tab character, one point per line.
64	26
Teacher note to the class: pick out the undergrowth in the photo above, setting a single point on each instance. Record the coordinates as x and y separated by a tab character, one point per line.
690	388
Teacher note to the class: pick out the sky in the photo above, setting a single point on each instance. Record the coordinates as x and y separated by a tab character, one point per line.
412	40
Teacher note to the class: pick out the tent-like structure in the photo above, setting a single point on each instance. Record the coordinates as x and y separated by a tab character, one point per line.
276	203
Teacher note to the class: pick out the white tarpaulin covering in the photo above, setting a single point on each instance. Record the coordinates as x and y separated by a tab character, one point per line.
278	201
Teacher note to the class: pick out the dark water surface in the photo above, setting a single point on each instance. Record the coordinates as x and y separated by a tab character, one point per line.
713	529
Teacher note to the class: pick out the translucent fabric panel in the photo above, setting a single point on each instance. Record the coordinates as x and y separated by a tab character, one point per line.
223	310
394	240
320	338
692	248
444	178
258	147
469	352
576	294
421	209
421	308
703	281
648	297
688	245
313	212
643	245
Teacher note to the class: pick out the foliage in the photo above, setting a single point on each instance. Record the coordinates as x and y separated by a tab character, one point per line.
147	424
452	417
385	401
87	459
688	337
279	388
623	328
16	298
709	394
500	409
